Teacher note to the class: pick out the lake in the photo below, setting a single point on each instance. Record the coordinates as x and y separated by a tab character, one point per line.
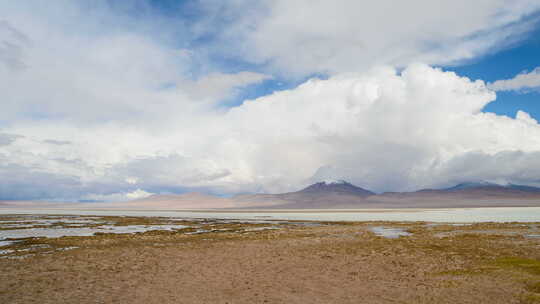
454	215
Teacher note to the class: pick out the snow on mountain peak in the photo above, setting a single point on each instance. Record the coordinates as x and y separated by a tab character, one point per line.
334	182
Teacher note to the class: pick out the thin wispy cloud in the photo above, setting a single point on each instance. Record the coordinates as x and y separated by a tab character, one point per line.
522	82
303	36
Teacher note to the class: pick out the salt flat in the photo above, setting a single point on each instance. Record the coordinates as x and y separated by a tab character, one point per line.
455	215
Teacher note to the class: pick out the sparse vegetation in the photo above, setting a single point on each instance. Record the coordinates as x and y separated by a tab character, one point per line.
493	263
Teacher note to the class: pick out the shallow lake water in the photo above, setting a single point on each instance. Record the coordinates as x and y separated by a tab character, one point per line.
390	233
6	243
83	231
456	215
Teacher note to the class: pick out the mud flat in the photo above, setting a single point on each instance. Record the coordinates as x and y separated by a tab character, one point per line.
176	260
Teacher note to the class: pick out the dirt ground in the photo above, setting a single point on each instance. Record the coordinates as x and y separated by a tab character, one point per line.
331	263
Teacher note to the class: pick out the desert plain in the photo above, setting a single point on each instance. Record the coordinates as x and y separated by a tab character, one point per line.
266	261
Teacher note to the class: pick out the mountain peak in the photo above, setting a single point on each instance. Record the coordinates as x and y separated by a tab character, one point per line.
334	182
336	186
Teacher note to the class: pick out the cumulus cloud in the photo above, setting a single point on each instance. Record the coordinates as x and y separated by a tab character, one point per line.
511	166
304	36
521	82
380	129
117	111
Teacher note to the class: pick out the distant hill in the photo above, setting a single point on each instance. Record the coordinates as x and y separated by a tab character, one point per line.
486	186
321	195
337	187
343	195
169	202
479	190
340	194
326	195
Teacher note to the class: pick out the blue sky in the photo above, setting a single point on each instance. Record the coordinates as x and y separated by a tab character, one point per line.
114	100
505	64
502	63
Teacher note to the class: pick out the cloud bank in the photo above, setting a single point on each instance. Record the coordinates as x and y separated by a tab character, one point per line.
98	104
380	129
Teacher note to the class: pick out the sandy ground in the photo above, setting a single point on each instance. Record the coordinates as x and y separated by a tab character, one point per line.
332	263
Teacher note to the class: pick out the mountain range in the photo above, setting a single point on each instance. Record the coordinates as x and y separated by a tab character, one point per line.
336	194
344	195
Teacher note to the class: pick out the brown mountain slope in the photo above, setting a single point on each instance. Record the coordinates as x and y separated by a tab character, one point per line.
322	195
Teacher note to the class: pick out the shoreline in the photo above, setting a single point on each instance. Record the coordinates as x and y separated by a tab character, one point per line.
447	215
229	210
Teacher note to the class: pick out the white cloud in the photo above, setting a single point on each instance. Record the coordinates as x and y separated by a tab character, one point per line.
216	86
88	73
105	112
131	180
117	197
7	139
521	82
378	129
138	194
304	36
525	117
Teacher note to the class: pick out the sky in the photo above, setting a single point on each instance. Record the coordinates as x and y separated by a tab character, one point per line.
117	100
